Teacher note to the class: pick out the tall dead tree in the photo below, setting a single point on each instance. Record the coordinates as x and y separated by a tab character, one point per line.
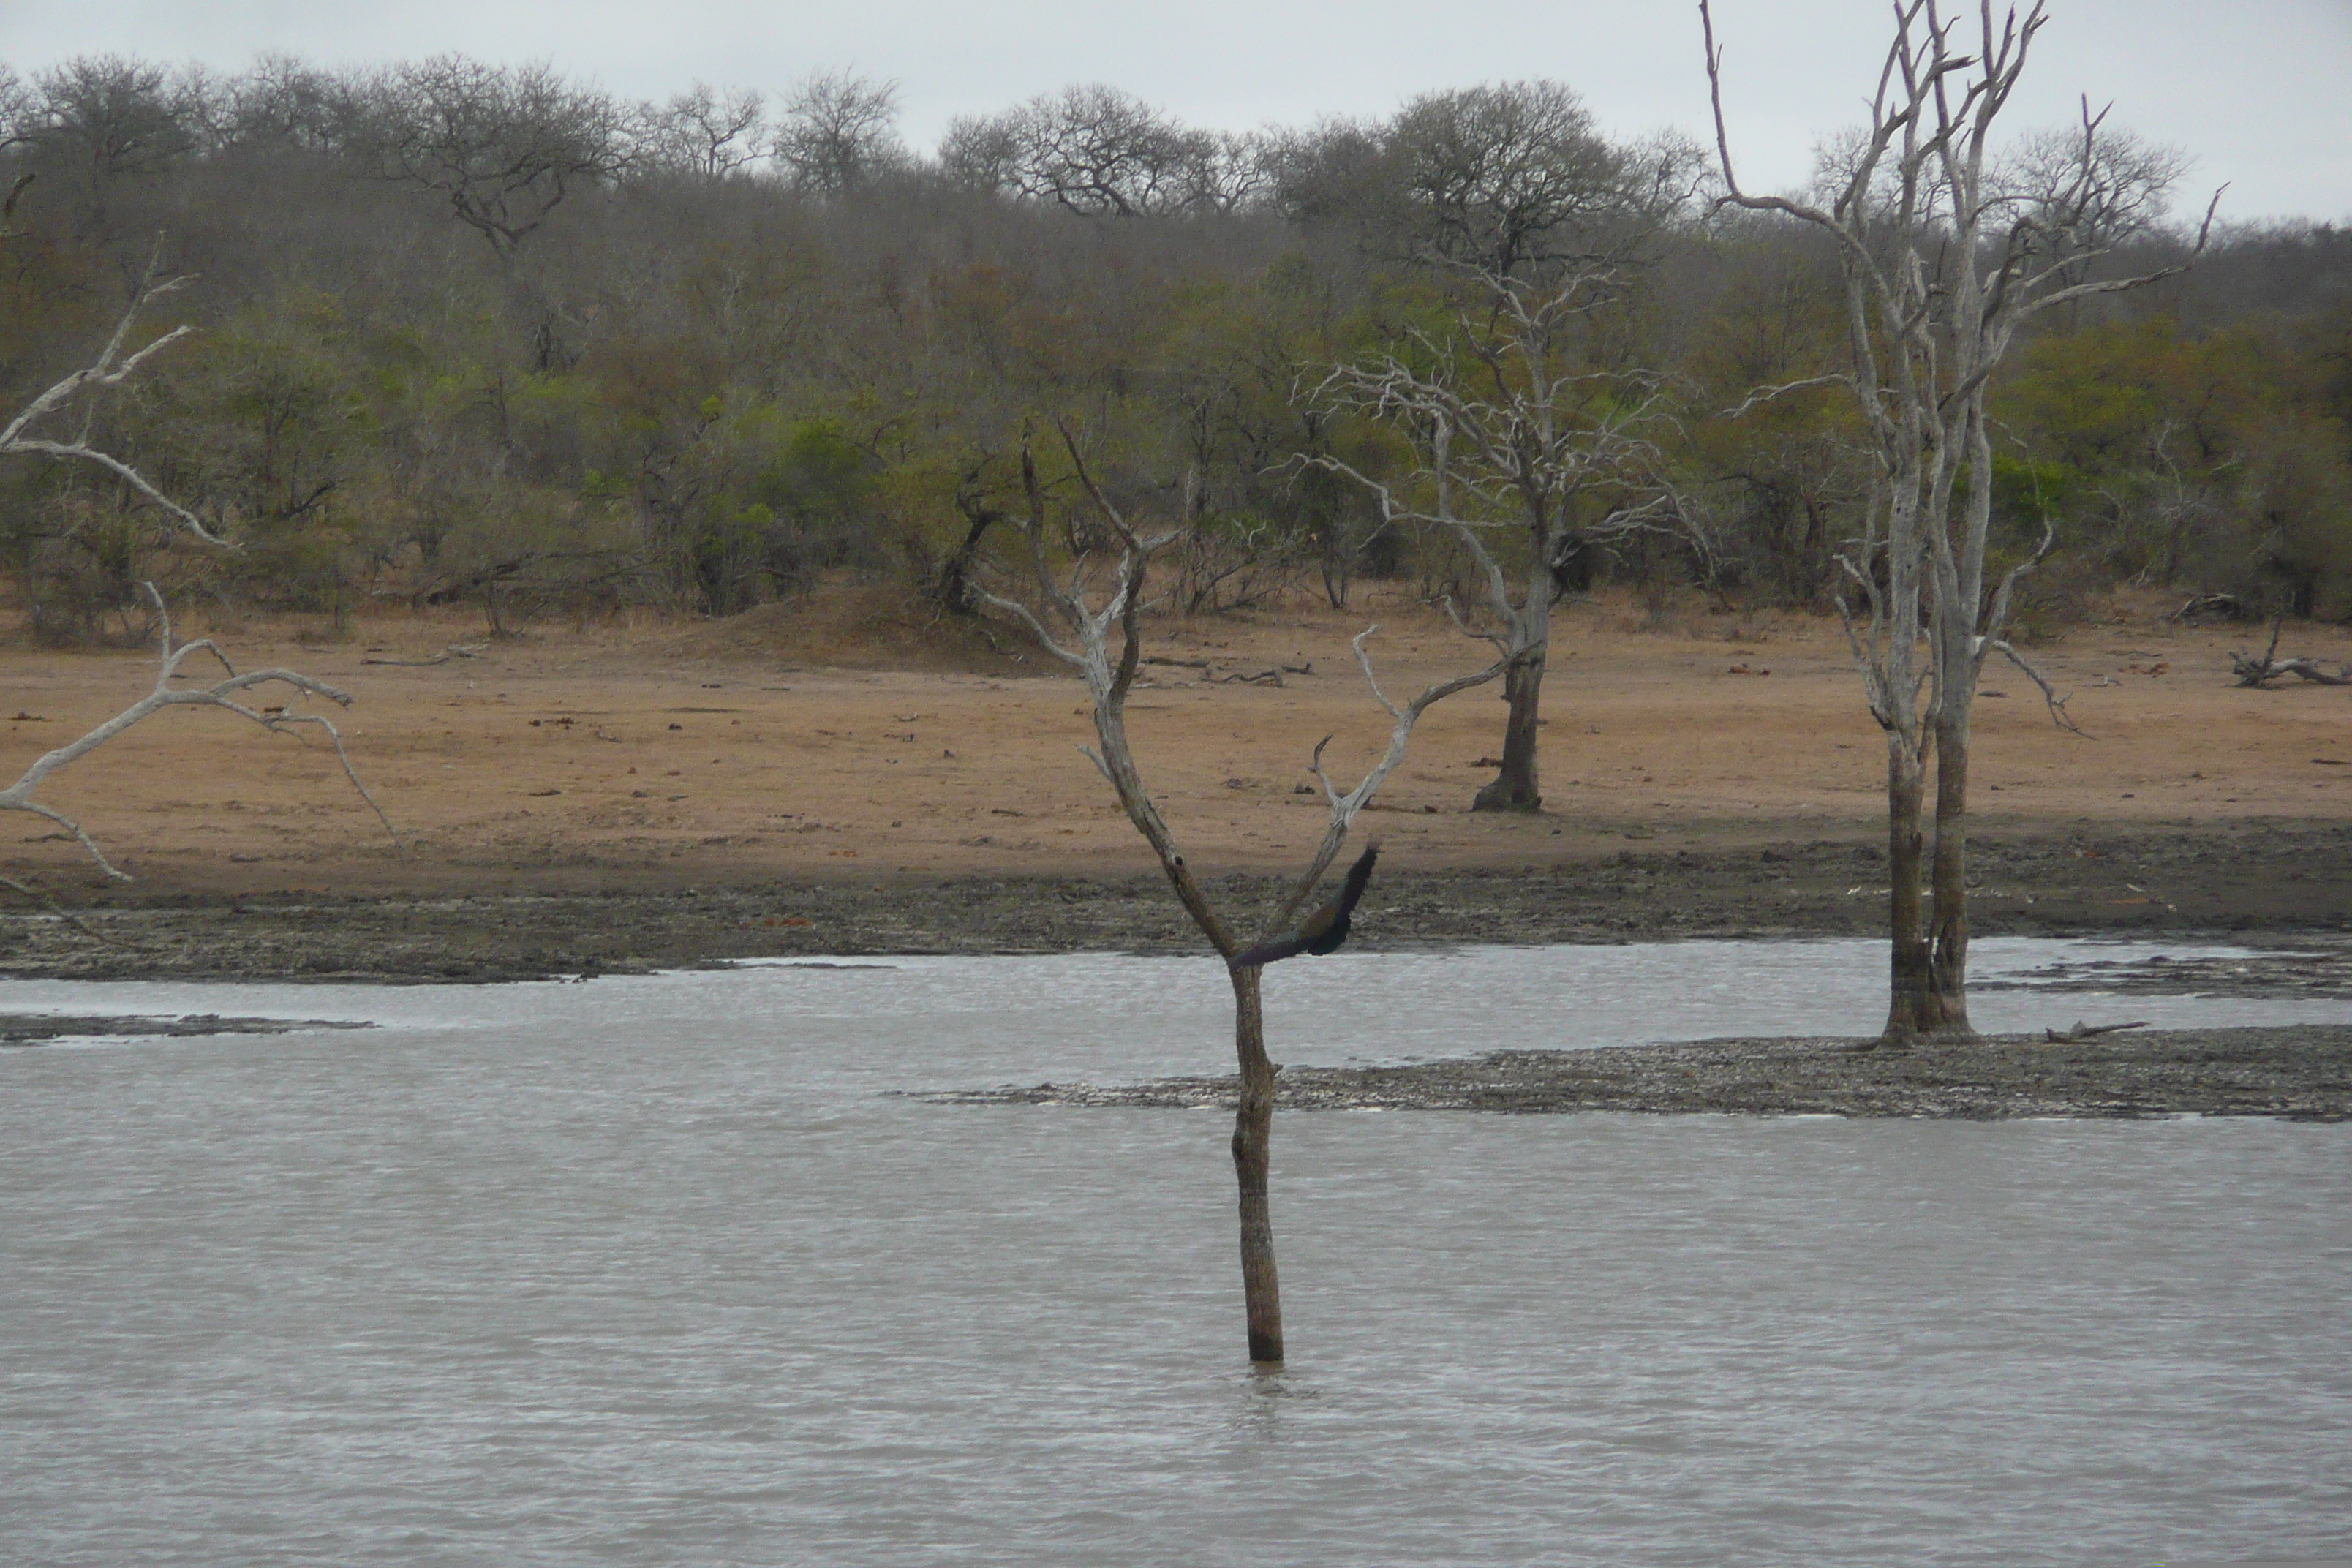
1099	605
1946	253
1529	455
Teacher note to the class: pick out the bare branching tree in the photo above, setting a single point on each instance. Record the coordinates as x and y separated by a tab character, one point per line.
285	100
1504	174
111	113
18	109
1101	152
1091	621
96	119
233	692
839	132
503	145
1528	456
706	131
1946	253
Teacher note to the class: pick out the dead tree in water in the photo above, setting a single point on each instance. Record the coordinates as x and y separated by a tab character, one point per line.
1944	255
1091	610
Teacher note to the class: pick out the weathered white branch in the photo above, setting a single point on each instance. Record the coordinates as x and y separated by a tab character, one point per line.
111	369
1764	395
1344	807
223	693
2058	714
1997	618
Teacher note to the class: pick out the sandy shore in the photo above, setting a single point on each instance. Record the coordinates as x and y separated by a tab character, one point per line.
770	749
833	776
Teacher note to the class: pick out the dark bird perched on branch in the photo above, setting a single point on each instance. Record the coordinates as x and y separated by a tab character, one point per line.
1326	928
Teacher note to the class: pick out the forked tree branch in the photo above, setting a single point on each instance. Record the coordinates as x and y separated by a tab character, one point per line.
1345	806
2058	714
229	693
111	368
1091	609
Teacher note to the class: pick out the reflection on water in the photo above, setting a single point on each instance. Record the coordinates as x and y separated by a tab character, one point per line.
649	1272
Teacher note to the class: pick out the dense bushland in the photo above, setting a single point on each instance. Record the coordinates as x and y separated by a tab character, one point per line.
482	334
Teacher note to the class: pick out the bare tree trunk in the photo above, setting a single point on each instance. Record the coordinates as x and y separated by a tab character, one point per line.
1949	969
1252	1161
1946	254
1108	683
1516	787
954	587
1913	1009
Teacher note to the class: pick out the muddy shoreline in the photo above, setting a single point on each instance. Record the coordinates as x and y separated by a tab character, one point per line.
2302	1073
43	1028
2263	883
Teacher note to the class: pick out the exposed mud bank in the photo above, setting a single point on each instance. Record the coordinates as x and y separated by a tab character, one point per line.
2302	1073
2259	880
41	1029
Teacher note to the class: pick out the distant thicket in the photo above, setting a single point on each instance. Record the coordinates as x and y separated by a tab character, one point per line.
481	334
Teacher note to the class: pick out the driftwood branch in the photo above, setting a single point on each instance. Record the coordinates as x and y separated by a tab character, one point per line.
455	651
2258	673
234	693
1270	676
2216	606
2082	1031
2057	704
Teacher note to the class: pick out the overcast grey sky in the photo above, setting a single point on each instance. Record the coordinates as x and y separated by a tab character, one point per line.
2256	90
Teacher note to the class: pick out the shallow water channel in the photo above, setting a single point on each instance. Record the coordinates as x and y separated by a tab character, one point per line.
658	1270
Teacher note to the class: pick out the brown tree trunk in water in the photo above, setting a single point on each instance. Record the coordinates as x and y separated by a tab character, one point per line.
1515	788
1910	1008
1252	1157
1948	966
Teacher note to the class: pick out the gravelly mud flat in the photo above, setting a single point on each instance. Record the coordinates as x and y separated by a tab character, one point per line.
40	1029
2262	881
2318	966
2302	1073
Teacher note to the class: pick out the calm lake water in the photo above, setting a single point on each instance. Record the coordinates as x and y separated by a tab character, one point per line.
656	1271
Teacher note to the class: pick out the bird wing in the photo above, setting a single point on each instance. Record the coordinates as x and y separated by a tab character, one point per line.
1281	947
1360	876
1317	925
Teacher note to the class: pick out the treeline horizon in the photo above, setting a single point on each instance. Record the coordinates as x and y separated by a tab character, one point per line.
478	332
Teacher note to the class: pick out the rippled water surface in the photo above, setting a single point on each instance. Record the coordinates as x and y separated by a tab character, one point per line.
655	1270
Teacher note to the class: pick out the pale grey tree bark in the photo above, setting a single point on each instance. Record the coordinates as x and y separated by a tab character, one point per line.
1946	252
1527	455
1096	627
